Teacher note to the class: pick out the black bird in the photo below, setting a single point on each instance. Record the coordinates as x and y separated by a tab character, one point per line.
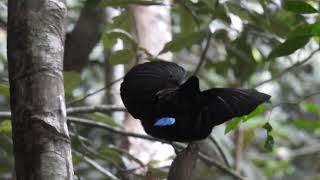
171	106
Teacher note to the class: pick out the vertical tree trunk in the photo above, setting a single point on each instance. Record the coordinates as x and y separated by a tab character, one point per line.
35	56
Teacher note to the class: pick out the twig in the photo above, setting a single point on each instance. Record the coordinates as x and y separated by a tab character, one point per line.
223	155
124	133
238	151
5	115
130	156
91	109
96	165
294	66
212	162
82	141
203	55
78	110
315	148
177	145
295	103
95	92
112	129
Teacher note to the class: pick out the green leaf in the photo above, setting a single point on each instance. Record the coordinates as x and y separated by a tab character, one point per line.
258	111
4	89
306	31
110	154
106	3
232	124
188	24
121	34
288	47
71	80
268	127
269	143
104	118
306	124
300	7
108	41
183	40
124	21
158	173
5	127
310	107
121	56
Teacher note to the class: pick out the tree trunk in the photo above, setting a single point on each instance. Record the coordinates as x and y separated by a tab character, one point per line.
35	56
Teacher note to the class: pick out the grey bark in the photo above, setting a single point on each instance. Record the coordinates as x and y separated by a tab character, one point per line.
35	56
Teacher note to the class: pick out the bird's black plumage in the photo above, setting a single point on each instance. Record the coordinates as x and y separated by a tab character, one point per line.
171	106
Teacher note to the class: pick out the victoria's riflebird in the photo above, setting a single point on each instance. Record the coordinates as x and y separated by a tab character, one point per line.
171	106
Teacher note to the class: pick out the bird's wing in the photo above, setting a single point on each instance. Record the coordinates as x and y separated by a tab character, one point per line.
222	104
142	83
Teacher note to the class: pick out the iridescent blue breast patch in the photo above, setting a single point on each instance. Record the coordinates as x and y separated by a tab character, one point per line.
165	121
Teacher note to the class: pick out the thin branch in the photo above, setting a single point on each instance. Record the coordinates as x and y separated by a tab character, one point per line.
5	115
177	145
315	148
291	68
91	109
79	110
119	131
212	162
203	55
95	92
130	156
112	129
295	103
96	165
238	150
221	152
91	150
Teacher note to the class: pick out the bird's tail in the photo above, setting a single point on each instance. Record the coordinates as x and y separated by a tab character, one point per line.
223	104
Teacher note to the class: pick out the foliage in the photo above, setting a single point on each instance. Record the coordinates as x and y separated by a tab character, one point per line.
251	42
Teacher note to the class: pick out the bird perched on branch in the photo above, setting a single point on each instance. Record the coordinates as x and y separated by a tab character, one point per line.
171	106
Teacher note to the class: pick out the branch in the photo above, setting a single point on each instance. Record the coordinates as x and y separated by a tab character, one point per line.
203	157
85	35
91	150
295	103
112	129
291	68
97	124
96	165
91	109
221	152
184	164
315	148
203	55
214	163
95	92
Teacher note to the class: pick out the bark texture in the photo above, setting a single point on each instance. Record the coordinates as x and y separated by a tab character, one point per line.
35	56
184	164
